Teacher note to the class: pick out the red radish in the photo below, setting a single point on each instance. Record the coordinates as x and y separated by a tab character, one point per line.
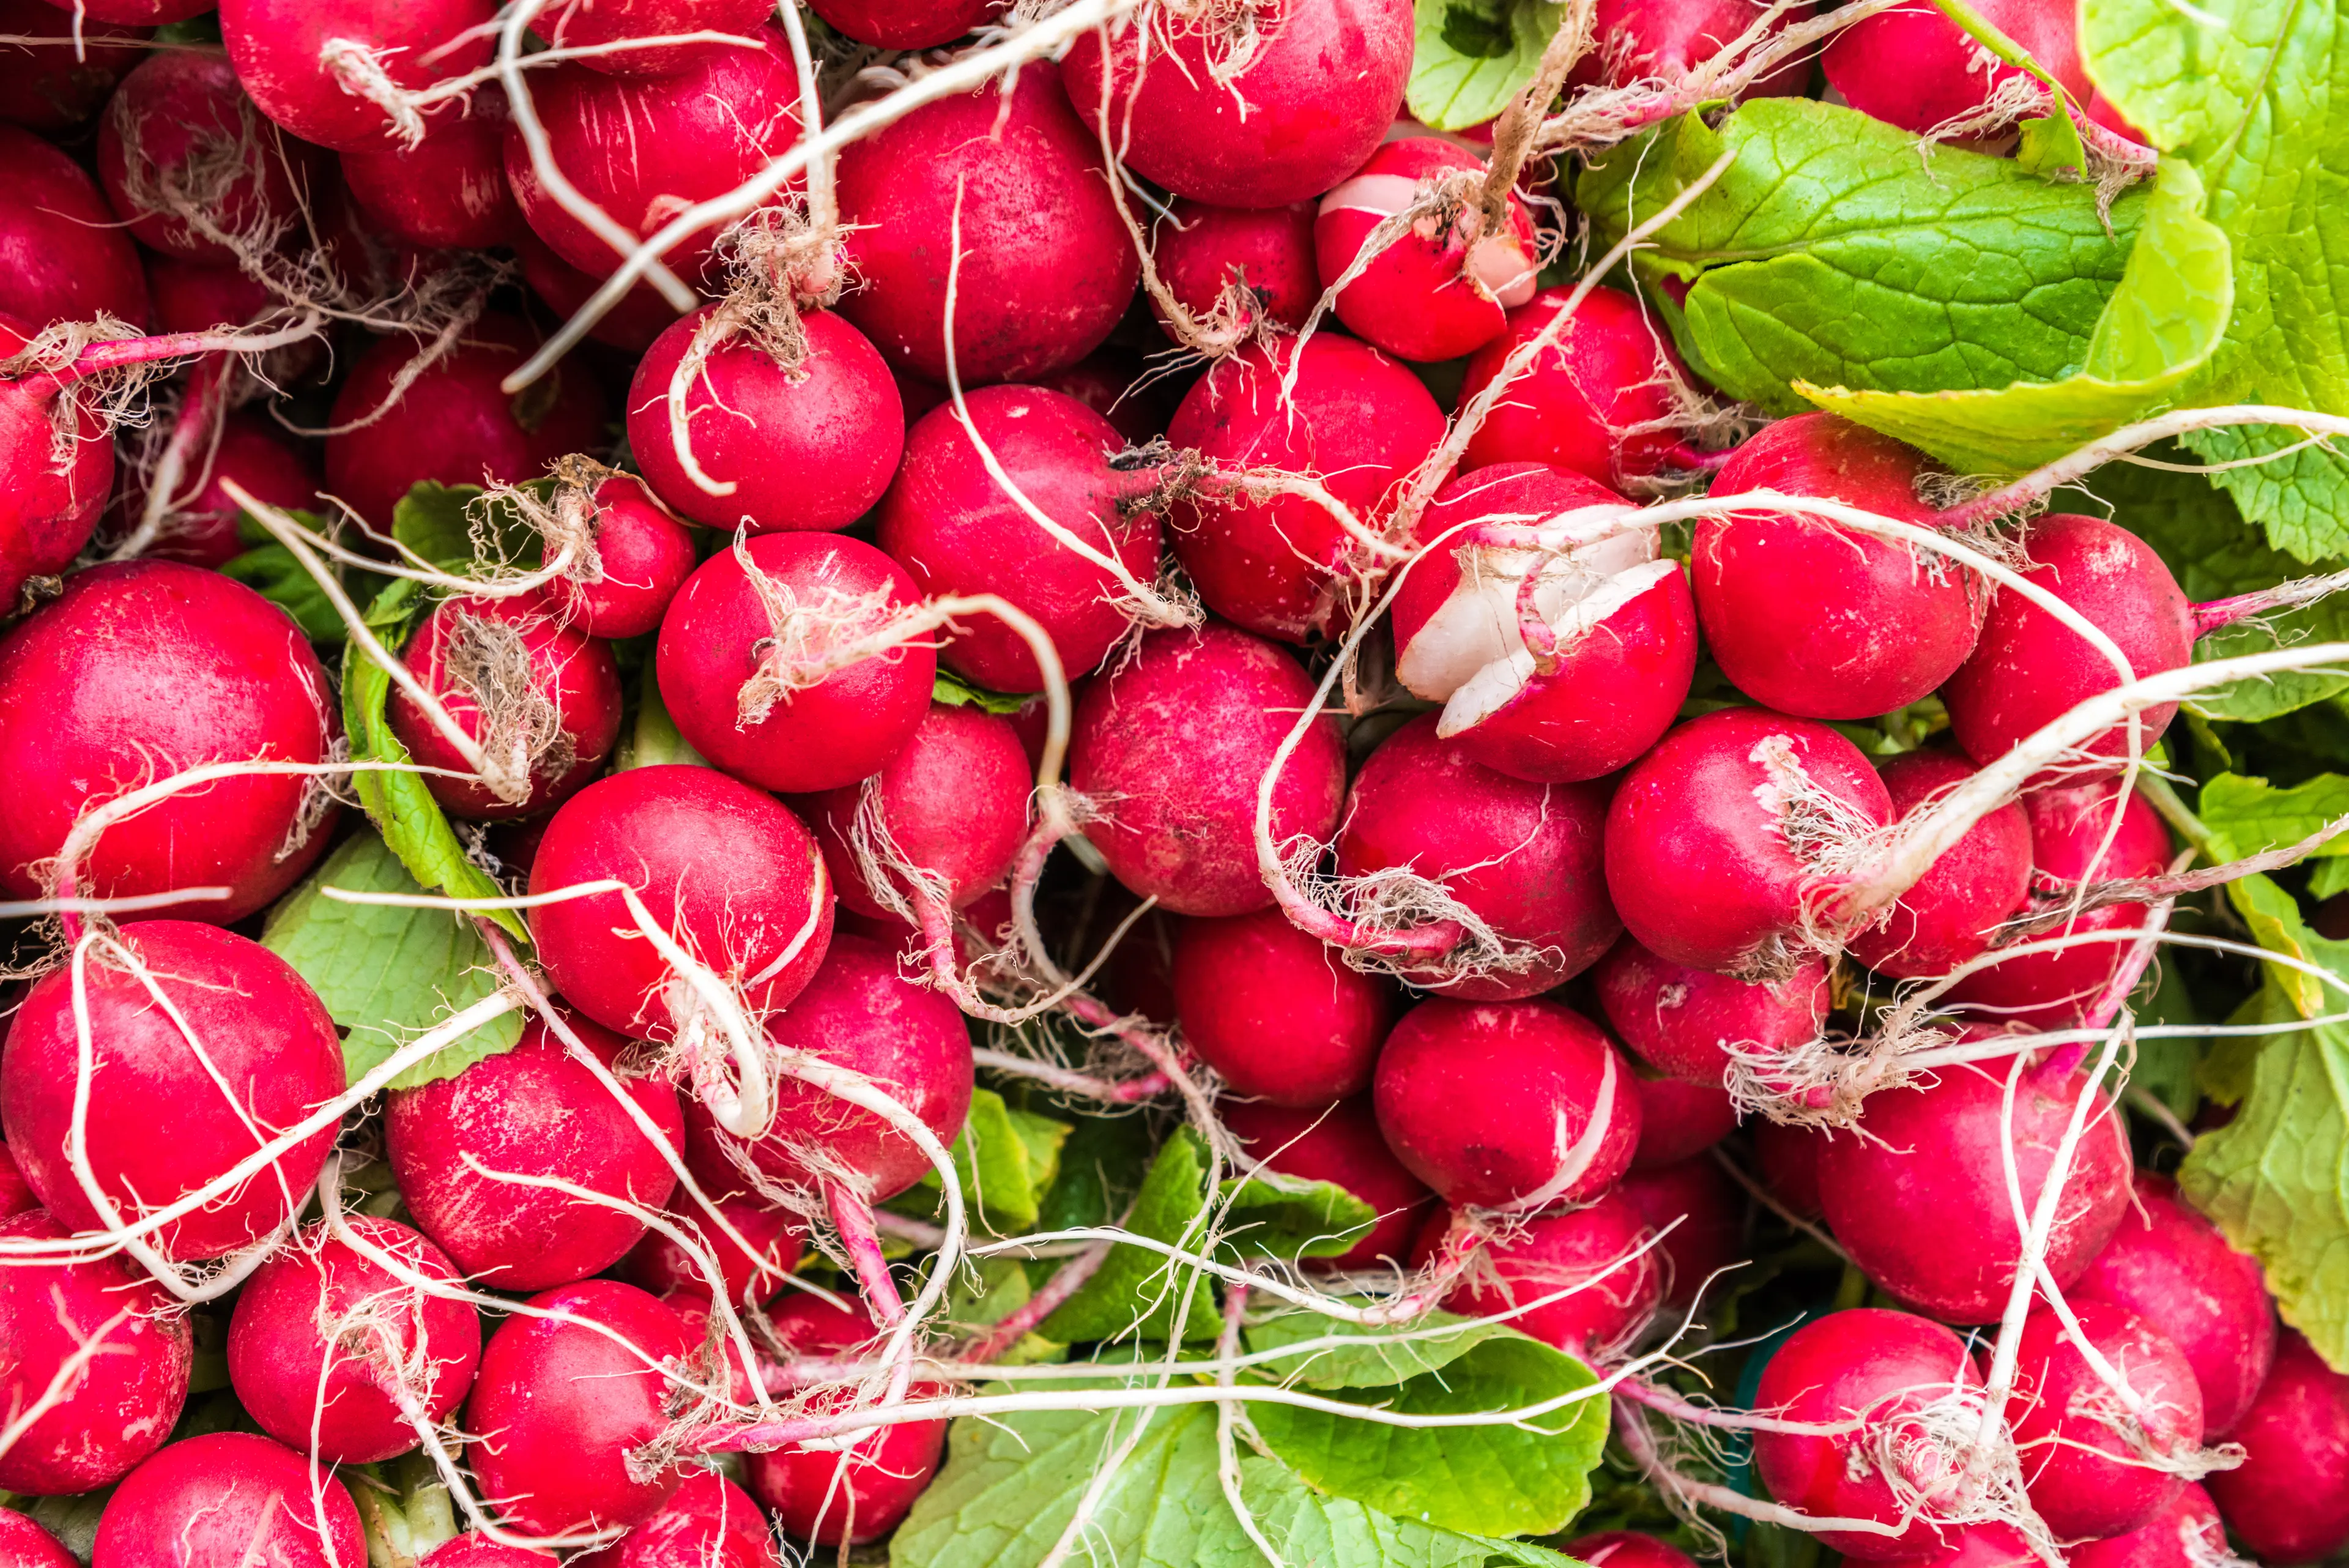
828	1495
906	24
180	668
25	1544
15	1196
55	86
1682	1021
1913	67
1699	856
189	297
1339	1144
447	189
1356	421
1921	1204
561	1406
1950	914
643	556
1617	626
1611	1281
632	325
58	485
2289	1500
1516	1105
269	1057
1789	1161
742	661
2172	1267
1140	975
533	1111
1277	1012
1625	1549
63	257
187	164
1267	252
1522	858
707	1522
1881	1370
1170	744
660	1265
1442	289
229	1497
328	1344
123	1402
1678	1120
1988	1545
1815	620
323	69
959	531
202	531
1598	401
2091	1464
2029	667
1047	266
1316	84
809	445
1641	40
453	423
952	803
1710	1234
470	1551
2186	1534
1114	384
591	24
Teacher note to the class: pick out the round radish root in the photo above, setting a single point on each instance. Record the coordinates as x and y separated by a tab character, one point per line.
707	1522
640	316
1625	1549
2172	1267
1619	624
63	256
1607	1283
229	1497
1444	287
1641	40
2029	669
751	662
533	1111
1282	116
1516	1105
1599	401
2186	1534
450	189
906	24
471	1551
1818	620
55	86
1275	1012
265	1038
809	445
1684	1021
1356	421
1920	1202
1706	1214
1720	839
326	1345
735	877
187	165
453	424
2092	1465
2289	1500
957	530
1888	1371
1787	1157
15	1196
122	1404
1047	268
1914	67
22	1543
320	68
660	1265
202	530
1340	1144
1678	1120
1523	858
1169	746
1266	253
643	556
58	490
1950	914
560	1405
593	24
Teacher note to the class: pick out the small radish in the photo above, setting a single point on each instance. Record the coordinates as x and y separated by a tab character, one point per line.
123	1405
471	1551
1340	1144
1641	40
229	1497
1706	1214
1913	67
1683	1020
2289	1500
1607	1282
593	24
1625	1549
57	87
906	24
269	1056
1169	746
1950	914
1680	1120
66	255
1266	253
762	663
327	1345
1788	1160
331	72
707	1522
660	1265
1443	286
830	1496
533	1111
2188	1533
194	171
1276	1011
643	556
2093	1466
1599	401
202	528
59	480
631	326
1277	104
23	1543
1513	1105
449	189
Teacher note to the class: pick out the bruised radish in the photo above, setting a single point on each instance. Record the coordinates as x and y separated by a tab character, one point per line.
2187	1534
1679	1119
1440	288
1949	914
906	24
707	1522
449	189
229	1497
1340	1144
2289	1500
194	171
1686	1022
1586	1282
1912	66
57	86
63	256
1704	1212
660	1265
22	1543
643	556
202	528
1267	253
595	24
831	1495
1599	400
1276	1011
59	478
1641	39
2093	1466
640	316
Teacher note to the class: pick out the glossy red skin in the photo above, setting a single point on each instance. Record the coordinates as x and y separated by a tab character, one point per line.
1989	1545
1867	1362
956	801
255	453
43	87
559	1405
1947	915
1678	1120
1679	1020
1484	1102
1109	381
15	1196
1314	101
1711	1210
1599	1248
955	531
283	1333
2029	669
1048	267
846	727
1524	858
63	256
1357	421
1338	1143
1419	297
278	50
1270	250
471	1551
453	424
2084	1476
1625	1549
643	556
25	1544
181	105
1696	865
449	191
661	1266
263	1028
46	515
2289	1501
1914	67
906	24
1638	39
885	1473
572	671
583	24
1178	736
2186	1534
533	1111
1788	1158
1600	378
1921	1203
736	877
631	326
1277	1012
2172	1267
228	1496
125	1402
707	1522
645	150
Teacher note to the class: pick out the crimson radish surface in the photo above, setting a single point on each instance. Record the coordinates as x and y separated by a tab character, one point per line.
229	1497
1277	1012
1585	1281
1340	1144
1440	288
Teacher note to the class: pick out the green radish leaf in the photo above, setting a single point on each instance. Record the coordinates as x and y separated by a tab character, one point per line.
1306	1526
2253	814
1364	1358
454	528
2050	146
271	571
954	692
1472	56
1004	1159
655	739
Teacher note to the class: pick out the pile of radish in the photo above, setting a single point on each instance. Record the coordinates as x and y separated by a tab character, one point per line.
1253	781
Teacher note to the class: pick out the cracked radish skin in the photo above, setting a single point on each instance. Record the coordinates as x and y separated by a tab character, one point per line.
1443	287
